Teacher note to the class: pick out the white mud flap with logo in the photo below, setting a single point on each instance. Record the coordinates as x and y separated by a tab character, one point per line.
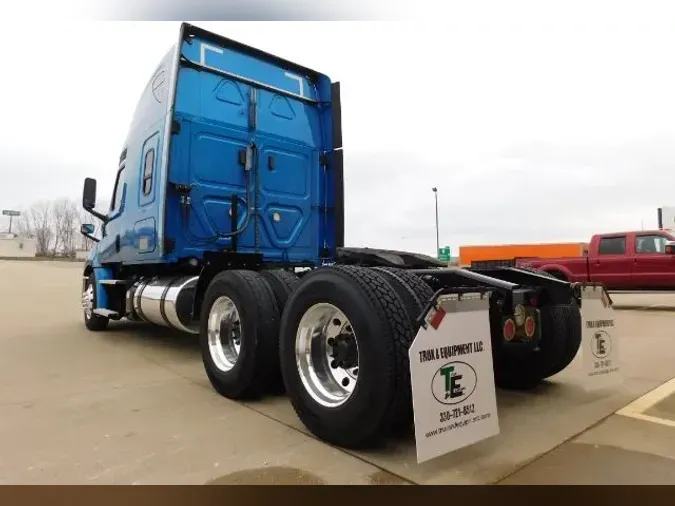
452	378
599	339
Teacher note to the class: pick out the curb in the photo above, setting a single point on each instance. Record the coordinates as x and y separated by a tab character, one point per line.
43	259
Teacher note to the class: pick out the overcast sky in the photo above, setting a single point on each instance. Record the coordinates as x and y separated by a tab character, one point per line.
533	128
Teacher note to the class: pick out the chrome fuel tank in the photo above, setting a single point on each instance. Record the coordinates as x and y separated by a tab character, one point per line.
165	301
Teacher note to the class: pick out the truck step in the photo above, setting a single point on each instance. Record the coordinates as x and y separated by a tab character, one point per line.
108	313
113	282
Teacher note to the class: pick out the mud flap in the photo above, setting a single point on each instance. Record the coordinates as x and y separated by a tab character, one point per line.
599	339
452	377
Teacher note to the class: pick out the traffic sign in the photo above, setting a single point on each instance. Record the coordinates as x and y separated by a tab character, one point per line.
444	254
9	212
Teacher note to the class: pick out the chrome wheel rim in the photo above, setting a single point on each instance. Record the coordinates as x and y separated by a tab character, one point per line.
88	301
224	333
326	355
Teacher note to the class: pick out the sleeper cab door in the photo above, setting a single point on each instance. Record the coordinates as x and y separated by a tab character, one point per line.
145	227
291	189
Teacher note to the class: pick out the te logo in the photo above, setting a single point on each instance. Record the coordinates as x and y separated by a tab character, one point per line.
454	382
453	388
601	344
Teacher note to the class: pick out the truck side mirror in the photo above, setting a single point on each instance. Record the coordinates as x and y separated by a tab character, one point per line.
87	229
89	194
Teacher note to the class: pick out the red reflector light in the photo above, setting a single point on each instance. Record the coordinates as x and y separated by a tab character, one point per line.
437	318
529	326
509	329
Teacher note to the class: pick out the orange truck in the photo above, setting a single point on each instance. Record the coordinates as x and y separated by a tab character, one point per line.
503	252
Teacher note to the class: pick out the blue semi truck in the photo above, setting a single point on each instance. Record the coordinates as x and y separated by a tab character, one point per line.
227	222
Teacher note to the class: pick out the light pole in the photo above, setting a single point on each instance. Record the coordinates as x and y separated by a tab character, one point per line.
438	244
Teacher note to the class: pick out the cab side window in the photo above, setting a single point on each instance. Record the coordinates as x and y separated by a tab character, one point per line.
646	244
148	171
612	246
116	202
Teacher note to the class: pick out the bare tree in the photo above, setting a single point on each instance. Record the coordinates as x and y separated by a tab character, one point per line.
24	226
65	221
41	224
56	226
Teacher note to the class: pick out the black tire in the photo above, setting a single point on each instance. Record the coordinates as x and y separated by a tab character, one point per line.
423	290
282	284
256	370
381	400
94	322
571	319
409	297
415	294
560	341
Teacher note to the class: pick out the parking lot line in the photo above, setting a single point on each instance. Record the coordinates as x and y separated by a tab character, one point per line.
637	408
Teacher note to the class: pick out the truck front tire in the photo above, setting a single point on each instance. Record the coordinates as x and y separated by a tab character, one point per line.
92	321
344	343
239	335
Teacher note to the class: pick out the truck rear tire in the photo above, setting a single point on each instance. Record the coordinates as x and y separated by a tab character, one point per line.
239	335
572	320
282	284
93	322
568	316
414	293
560	342
346	326
408	295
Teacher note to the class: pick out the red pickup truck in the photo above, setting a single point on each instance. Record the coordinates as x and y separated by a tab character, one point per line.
642	260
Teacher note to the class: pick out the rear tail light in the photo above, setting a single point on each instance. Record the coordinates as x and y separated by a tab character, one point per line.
509	329
529	326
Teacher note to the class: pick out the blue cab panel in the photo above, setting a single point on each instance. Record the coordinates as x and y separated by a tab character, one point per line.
230	149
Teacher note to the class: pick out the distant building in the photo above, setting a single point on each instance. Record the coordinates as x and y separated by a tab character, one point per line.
11	245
